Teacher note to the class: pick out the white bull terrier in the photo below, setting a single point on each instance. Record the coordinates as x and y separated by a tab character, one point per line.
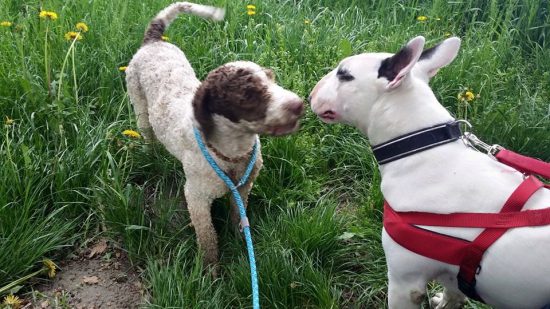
387	96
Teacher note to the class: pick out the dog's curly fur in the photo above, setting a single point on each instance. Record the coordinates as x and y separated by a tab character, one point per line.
236	102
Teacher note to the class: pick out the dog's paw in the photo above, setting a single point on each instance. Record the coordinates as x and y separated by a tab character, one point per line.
215	272
442	301
436	300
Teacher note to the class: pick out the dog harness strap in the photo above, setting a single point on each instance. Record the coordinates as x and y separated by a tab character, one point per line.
536	217
417	141
475	251
420	241
524	164
401	227
470	265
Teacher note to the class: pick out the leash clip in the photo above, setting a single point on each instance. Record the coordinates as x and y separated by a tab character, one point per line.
244	223
473	141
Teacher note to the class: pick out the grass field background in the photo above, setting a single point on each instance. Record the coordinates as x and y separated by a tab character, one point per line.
68	175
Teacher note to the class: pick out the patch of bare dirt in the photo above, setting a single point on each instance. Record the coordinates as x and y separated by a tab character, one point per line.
99	277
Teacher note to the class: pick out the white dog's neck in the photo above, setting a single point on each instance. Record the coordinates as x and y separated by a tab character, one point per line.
411	107
230	139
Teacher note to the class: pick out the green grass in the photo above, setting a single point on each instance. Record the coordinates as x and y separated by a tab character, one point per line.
67	174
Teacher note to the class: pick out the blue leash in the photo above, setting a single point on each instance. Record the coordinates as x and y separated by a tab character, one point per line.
244	219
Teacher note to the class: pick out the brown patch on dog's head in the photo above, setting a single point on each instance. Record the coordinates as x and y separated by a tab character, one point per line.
232	92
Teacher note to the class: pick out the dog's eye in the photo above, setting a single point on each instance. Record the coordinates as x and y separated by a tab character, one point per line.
344	75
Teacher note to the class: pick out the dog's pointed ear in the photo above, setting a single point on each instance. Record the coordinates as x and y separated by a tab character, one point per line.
398	66
432	59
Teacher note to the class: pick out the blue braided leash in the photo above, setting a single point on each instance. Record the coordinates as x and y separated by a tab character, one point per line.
244	219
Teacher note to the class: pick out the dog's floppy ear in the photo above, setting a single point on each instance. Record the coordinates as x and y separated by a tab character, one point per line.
201	109
398	66
432	59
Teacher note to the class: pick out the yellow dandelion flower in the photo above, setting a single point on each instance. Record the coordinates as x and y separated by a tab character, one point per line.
469	96
50	267
6	23
82	27
52	15
71	35
9	121
12	301
306	21
122	68
251	9
422	18
131	133
48	15
165	38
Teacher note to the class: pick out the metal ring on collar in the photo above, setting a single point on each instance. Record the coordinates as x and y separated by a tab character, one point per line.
466	122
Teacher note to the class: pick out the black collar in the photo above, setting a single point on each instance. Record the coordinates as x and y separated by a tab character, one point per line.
417	141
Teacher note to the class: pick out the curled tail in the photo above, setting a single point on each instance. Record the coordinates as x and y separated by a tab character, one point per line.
165	17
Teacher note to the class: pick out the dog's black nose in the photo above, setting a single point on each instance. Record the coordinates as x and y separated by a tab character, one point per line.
309	99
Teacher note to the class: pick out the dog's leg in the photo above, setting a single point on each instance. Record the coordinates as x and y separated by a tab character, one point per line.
199	201
244	191
406	280
451	297
404	294
139	101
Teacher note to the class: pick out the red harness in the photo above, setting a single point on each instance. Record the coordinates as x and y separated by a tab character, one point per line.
402	226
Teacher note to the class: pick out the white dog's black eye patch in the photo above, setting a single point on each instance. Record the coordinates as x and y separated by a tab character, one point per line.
344	75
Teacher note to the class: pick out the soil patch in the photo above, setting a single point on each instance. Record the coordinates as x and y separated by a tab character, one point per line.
100	277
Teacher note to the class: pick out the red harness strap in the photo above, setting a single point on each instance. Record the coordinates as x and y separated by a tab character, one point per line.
524	164
474	253
401	227
430	244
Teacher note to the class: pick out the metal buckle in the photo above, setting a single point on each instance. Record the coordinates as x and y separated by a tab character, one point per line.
244	223
474	142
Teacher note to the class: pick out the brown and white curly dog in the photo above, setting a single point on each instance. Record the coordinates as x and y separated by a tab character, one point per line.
236	102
